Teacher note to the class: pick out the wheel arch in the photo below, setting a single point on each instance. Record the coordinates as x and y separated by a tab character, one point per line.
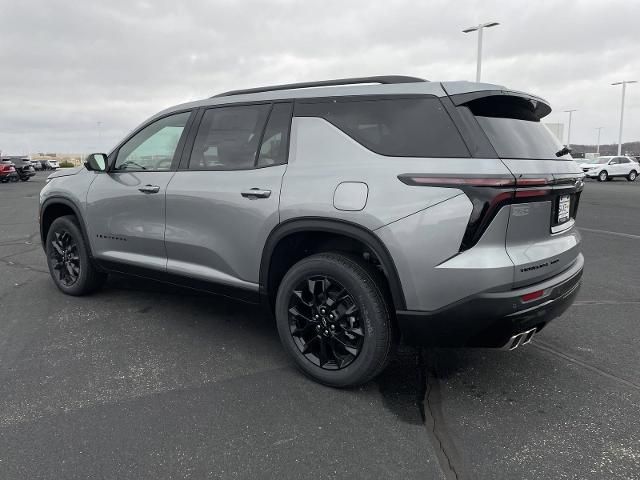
54	207
332	227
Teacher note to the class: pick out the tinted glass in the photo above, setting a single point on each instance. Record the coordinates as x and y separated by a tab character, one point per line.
403	127
623	160
275	143
153	147
514	138
228	138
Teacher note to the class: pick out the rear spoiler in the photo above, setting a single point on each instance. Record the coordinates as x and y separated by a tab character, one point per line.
541	107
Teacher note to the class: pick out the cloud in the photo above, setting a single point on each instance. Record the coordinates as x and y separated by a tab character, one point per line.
67	65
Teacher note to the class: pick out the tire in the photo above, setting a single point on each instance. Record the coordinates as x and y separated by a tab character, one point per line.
77	276
603	176
632	176
366	332
24	179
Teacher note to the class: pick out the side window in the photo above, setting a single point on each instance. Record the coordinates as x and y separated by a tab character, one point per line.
228	138
275	142
623	160
614	161
396	127
153	147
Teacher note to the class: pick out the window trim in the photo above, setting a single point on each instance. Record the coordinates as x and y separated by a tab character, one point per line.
190	143
264	131
112	157
400	96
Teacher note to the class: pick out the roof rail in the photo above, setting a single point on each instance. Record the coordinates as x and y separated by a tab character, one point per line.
382	79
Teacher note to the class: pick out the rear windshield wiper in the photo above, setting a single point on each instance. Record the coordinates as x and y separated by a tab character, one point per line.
564	151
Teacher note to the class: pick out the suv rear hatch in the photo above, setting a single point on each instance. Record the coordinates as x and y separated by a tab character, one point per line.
540	239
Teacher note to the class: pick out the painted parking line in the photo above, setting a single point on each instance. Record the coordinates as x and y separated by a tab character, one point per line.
607	232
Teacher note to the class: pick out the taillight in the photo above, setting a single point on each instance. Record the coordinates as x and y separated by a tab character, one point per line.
489	193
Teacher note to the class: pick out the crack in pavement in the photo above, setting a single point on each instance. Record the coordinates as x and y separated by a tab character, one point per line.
23	241
429	402
549	349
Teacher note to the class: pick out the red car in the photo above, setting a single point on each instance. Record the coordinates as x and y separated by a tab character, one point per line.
8	172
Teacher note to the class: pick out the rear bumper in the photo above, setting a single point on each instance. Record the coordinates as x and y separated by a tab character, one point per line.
491	319
8	176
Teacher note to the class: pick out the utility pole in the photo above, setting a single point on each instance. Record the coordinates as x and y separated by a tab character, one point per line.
479	28
624	88
570	112
598	144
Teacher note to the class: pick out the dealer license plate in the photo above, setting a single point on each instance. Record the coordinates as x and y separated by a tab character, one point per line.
564	208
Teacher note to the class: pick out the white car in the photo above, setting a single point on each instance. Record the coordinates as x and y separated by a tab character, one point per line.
52	164
606	168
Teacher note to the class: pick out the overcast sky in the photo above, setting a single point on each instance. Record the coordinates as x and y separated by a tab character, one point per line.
66	65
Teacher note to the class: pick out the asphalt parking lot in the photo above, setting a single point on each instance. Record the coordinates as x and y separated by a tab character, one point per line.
146	381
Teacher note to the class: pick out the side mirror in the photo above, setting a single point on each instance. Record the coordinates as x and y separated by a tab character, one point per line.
96	162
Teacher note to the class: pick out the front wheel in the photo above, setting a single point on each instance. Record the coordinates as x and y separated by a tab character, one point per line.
603	176
632	176
68	258
333	319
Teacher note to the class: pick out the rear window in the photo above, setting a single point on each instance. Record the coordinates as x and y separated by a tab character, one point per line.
398	127
514	129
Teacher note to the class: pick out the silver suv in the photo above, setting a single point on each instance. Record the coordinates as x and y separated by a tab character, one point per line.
360	212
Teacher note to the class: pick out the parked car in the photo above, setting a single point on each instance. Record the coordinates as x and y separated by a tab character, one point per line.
608	167
360	212
23	167
8	172
36	164
51	164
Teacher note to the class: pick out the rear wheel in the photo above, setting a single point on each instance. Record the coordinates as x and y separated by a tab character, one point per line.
68	258
603	176
632	176
333	319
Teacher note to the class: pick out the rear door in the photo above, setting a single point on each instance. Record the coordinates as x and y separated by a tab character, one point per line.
540	239
223	201
615	167
624	166
126	204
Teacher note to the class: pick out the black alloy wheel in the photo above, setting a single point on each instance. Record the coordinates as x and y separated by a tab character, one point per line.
325	322
69	260
65	258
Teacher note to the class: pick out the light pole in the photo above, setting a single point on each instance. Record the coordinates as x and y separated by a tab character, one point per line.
570	112
598	144
624	88
479	28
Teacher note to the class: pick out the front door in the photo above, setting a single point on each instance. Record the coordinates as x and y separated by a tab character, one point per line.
223	201
126	204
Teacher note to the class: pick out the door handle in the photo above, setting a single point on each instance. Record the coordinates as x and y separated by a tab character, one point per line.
149	189
256	193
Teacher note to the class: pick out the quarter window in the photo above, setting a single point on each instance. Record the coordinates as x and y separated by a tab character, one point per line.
397	127
153	147
228	138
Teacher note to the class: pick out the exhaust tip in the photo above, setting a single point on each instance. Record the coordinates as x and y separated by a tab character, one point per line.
519	339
